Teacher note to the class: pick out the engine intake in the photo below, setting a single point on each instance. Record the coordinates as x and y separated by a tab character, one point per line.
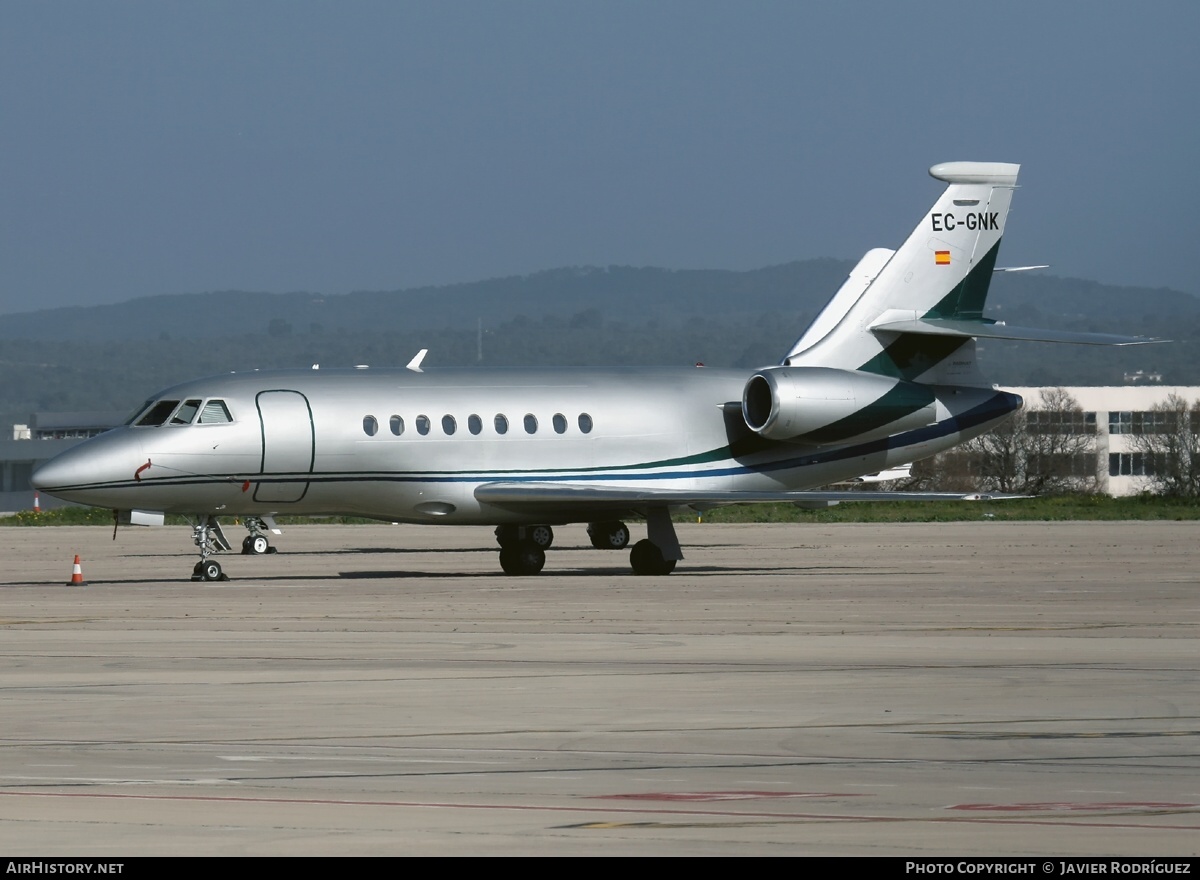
823	405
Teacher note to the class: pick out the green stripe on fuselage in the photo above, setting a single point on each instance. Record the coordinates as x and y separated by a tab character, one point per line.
904	399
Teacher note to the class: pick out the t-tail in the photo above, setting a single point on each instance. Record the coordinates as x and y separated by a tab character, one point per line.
894	350
874	323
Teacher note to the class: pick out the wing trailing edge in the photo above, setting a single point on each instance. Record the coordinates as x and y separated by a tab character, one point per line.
532	497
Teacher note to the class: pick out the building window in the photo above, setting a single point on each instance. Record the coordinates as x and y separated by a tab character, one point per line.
1120	423
1057	422
1130	464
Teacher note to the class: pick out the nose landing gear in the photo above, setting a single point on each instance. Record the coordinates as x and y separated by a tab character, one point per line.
207	535
256	543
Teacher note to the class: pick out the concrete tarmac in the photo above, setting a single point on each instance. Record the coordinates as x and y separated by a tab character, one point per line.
964	689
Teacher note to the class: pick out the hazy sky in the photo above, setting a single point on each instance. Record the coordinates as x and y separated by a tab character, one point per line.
171	147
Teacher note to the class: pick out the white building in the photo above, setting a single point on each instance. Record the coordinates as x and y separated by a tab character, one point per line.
1114	414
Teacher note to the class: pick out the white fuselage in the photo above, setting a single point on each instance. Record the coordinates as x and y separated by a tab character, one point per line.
413	446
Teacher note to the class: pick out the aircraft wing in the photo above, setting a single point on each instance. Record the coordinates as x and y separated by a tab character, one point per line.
545	497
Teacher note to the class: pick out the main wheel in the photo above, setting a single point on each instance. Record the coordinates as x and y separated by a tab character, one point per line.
507	537
524	559
647	558
255	545
540	536
609	535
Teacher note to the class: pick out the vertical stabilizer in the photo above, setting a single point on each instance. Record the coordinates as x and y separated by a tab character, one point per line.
942	271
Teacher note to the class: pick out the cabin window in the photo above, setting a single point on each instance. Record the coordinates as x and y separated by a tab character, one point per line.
449	425
585	423
158	413
214	413
530	423
397	425
501	423
560	423
422	425
186	412
474	423
370	425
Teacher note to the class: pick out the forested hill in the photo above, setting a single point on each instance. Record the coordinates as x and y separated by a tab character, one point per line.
113	357
617	292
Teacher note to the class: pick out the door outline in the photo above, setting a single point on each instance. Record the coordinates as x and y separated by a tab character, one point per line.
290	450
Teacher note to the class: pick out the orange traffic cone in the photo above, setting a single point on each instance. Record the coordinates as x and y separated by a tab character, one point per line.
37	507
77	574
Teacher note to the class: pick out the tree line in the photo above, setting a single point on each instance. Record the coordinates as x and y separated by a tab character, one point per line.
1049	448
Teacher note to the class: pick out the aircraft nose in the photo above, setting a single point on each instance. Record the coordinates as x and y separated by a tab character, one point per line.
61	472
84	473
43	475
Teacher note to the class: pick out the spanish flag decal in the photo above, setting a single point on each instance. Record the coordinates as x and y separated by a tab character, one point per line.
942	258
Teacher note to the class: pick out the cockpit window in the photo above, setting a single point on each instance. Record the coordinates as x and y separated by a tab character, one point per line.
215	412
186	412
158	413
132	419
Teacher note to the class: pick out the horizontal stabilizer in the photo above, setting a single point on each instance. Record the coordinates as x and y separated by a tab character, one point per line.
998	330
535	497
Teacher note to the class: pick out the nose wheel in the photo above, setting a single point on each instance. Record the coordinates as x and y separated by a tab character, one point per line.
209	571
256	545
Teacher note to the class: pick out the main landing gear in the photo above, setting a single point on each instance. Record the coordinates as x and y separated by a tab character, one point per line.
647	558
523	548
609	535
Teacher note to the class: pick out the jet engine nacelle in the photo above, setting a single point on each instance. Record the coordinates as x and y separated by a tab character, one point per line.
824	405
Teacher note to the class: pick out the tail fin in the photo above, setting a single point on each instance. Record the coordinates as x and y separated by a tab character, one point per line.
941	272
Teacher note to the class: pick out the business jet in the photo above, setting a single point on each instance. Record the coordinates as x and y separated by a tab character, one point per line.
885	375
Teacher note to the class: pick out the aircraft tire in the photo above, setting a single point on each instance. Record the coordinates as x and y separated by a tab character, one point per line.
507	537
646	558
541	536
609	535
524	559
255	545
211	571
